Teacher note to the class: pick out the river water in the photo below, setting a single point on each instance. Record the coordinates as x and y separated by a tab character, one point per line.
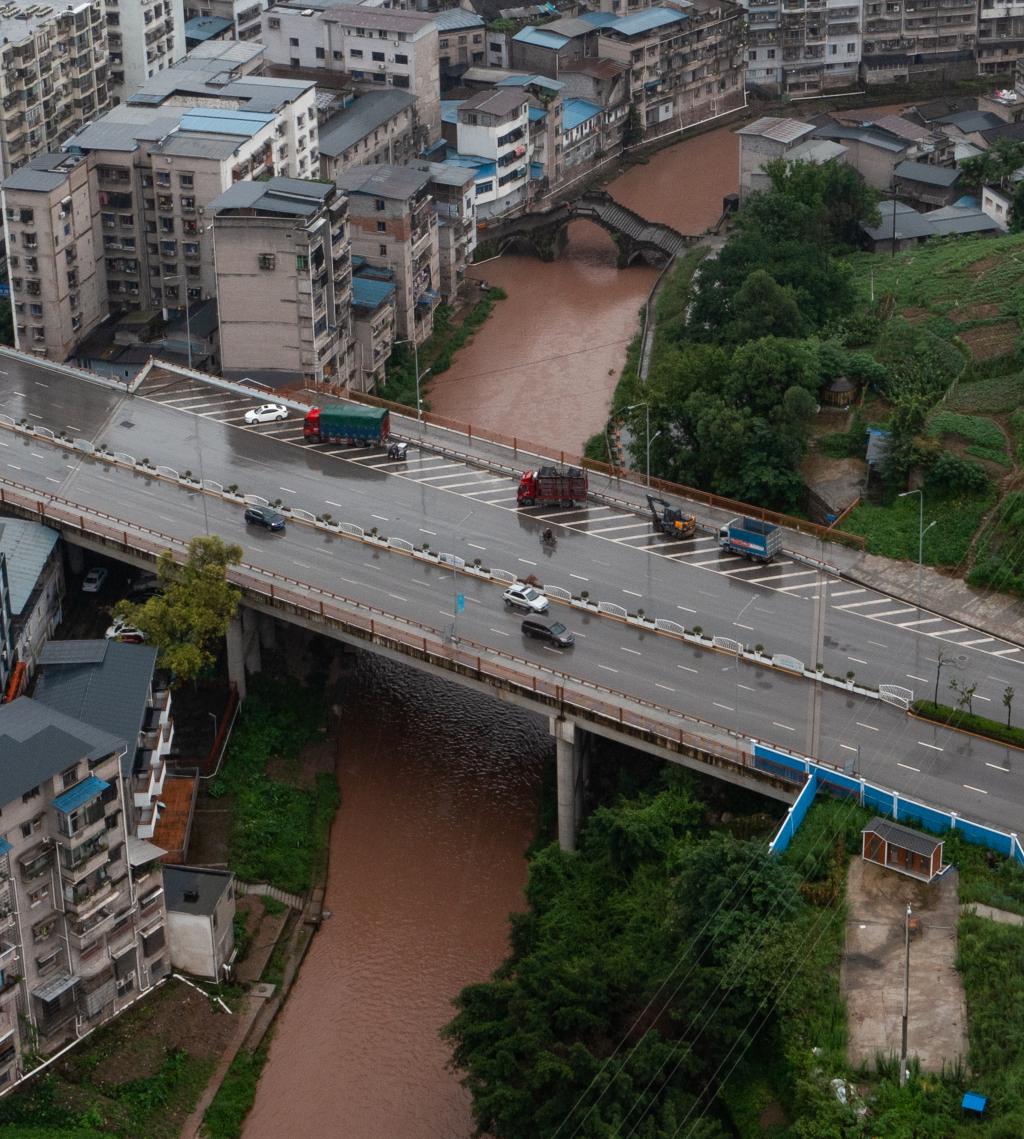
439	787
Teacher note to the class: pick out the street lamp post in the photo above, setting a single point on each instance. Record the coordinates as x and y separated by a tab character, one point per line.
920	534
647	433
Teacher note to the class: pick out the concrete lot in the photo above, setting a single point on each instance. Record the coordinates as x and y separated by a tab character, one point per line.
872	971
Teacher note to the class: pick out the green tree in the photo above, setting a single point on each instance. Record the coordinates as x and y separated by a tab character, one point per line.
191	614
764	308
1017	209
993	167
6	323
633	131
833	193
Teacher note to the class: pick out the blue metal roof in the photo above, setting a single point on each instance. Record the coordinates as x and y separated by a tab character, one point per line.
530	81
84	792
537	113
5	847
203	28
455	19
368	293
450	110
600	19
577	111
646	21
540	38
214	120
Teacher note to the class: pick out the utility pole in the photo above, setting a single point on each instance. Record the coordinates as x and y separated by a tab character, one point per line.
906	997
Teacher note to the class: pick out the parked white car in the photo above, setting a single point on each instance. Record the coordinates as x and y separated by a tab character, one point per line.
266	413
525	597
94	579
122	631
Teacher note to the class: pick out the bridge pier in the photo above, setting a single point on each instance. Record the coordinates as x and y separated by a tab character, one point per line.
573	763
243	645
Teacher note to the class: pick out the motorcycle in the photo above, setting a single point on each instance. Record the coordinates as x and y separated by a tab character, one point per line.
398	451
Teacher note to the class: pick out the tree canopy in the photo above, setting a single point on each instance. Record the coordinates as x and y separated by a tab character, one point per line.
193	609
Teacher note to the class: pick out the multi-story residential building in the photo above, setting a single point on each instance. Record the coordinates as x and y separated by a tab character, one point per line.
377	127
803	45
53	76
460	43
54	266
115	688
394	227
373	327
82	930
763	141
1000	36
35	572
244	15
452	188
374	46
284	281
919	40
124	226
494	137
146	37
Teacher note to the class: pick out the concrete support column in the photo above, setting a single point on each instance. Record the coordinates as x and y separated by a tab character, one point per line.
268	631
251	640
571	776
236	655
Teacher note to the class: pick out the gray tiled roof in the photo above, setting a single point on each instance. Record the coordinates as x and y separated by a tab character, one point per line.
208	884
926	173
384	181
903	836
27	547
38	741
293	197
111	693
356	121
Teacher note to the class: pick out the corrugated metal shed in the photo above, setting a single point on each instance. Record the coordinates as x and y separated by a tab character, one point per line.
27	547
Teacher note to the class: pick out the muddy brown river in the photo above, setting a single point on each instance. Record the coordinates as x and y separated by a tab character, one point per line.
438	786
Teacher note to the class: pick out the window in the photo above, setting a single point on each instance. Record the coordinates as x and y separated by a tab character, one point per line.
70	777
400	81
274	23
771	53
320	53
377	56
484	188
753	57
478	39
442	43
379	204
293	42
337	56
37	897
356	52
266	260
301	262
186	181
382	250
850	49
382	227
401	59
35	790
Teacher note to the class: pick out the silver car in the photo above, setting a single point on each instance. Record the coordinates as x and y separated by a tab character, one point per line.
525	597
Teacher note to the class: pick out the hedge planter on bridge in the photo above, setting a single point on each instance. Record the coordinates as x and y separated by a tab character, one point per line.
968	722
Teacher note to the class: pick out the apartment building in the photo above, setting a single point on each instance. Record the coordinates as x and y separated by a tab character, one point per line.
494	138
379	126
919	40
373	327
54	261
460	43
245	16
394	228
374	46
1000	36
53	75
146	37
284	281
82	929
119	221
453	189
804	45
34	599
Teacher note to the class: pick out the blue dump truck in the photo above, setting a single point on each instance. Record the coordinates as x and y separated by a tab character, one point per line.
751	538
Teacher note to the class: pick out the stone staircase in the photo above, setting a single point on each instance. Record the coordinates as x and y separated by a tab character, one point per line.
618	217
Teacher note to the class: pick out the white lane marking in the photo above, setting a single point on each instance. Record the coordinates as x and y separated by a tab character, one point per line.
923	621
665	686
895	612
857	660
861	604
36	455
983	641
686	668
878	644
987	699
740	625
712	562
337	504
579	577
287	490
923	679
1005	652
591	511
380	517
726	707
781	576
69	426
847	593
908	767
635	652
932	747
996	766
527	562
632	593
48	479
980	790
500	632
612	529
432	533
747	687
775	723
40	384
847	747
13	467
301	565
686	609
803	585
474	546
492	482
3	444
870	727
607	668
946	633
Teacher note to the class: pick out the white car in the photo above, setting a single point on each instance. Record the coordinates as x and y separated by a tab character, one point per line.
526	597
122	631
266	413
94	579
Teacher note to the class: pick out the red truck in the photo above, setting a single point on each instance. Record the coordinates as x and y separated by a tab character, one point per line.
552	486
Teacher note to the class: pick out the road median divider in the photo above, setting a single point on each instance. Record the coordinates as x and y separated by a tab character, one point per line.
968	722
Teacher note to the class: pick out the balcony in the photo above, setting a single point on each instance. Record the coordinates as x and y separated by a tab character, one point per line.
86	899
83	932
95	858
